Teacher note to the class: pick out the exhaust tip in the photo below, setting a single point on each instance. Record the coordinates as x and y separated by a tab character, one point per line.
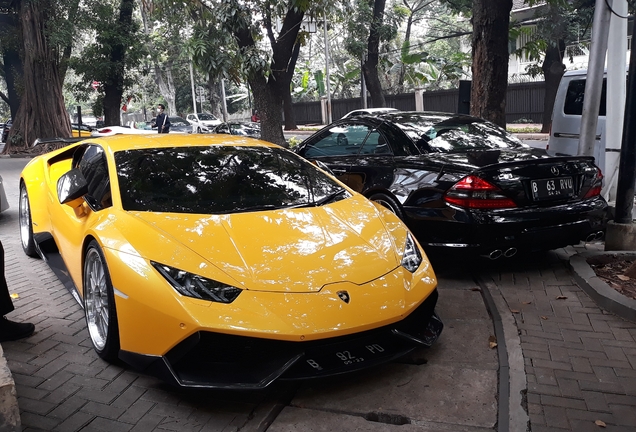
600	235
495	254
590	237
509	253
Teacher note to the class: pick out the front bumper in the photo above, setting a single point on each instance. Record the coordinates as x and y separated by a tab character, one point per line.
215	360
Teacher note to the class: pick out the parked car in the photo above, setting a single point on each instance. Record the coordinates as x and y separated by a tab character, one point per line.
202	122
248	129
371	111
6	127
4	203
215	263
178	125
461	183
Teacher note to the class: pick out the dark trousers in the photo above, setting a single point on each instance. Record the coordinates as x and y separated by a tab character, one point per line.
6	304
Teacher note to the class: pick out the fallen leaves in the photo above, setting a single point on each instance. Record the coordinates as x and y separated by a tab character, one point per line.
623	277
527	302
492	342
561	297
600	423
15	296
475	289
543	317
514	310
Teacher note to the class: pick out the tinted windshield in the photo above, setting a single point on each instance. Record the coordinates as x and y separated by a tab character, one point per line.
178	121
220	179
204	116
452	134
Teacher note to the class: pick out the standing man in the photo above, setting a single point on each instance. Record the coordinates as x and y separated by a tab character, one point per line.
9	330
162	122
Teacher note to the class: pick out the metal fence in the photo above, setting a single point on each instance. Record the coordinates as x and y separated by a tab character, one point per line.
524	103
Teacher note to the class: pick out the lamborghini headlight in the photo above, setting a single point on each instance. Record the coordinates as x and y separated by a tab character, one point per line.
196	286
412	258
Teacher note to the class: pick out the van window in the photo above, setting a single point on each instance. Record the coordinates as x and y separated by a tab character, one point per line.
575	95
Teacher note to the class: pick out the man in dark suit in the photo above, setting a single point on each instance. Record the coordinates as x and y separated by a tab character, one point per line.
9	330
163	121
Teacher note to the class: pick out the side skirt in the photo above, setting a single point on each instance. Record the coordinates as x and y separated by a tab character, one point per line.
48	250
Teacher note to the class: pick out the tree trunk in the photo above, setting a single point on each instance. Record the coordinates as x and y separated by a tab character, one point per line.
268	91
13	72
290	120
407	43
370	66
41	113
113	87
553	70
491	19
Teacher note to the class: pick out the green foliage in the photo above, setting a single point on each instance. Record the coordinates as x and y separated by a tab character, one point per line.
93	62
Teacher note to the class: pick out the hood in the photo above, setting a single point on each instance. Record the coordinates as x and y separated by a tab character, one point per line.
293	250
481	158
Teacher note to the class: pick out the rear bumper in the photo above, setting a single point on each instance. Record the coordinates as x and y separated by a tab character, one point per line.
214	360
522	229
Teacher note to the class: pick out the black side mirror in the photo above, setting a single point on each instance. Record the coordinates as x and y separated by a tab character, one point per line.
71	186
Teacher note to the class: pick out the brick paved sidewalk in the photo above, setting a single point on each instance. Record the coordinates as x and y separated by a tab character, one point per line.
580	361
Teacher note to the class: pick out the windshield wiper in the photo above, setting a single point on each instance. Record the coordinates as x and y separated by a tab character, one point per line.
323	200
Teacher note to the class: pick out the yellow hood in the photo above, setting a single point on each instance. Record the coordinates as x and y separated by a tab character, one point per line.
294	250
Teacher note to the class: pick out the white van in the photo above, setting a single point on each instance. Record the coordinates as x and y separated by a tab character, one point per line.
566	117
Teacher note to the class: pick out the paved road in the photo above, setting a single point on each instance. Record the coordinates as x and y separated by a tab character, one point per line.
62	385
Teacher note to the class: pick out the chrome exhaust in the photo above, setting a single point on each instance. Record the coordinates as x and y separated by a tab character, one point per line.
590	237
600	235
495	254
509	253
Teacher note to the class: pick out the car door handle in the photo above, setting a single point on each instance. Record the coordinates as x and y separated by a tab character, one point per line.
338	171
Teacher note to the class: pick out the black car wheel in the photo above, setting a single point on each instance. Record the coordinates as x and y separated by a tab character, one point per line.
99	304
198	130
388	202
26	225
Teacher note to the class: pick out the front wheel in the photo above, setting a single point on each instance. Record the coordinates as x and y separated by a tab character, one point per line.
99	304
26	224
388	202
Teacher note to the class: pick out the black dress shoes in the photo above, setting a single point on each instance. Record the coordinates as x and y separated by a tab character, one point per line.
11	330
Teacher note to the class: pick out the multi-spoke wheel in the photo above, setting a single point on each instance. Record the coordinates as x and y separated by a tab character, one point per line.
99	304
26	225
388	202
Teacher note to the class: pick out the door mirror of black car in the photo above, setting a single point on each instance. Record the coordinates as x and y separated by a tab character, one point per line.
71	187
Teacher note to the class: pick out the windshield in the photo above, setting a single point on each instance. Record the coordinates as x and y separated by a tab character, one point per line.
453	134
220	179
205	116
178	121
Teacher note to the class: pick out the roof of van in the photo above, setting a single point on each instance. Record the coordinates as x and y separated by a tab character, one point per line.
576	72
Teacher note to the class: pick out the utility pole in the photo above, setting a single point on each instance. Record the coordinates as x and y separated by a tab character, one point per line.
194	96
594	83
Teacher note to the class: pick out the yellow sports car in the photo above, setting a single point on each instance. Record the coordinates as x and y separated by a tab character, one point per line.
220	261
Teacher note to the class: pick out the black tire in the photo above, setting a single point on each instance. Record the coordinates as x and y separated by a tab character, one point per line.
198	130
389	202
26	224
99	304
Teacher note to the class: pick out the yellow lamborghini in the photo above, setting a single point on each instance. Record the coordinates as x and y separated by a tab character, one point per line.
227	262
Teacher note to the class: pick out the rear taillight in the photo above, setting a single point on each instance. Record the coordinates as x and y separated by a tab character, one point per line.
105	130
597	185
475	192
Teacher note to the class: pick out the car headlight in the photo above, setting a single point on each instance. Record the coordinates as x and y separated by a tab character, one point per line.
412	258
196	286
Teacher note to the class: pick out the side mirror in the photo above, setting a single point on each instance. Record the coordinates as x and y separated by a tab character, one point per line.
71	186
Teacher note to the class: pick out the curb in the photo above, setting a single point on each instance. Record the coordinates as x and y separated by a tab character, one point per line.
606	297
9	410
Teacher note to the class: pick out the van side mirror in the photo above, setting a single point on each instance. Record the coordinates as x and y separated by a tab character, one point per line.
71	187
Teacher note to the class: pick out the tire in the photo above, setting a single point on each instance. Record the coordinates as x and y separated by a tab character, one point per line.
26	224
198	130
99	304
389	202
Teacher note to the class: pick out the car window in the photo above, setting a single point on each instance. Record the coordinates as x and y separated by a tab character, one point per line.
204	116
220	179
178	121
375	144
576	94
339	140
223	129
94	168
